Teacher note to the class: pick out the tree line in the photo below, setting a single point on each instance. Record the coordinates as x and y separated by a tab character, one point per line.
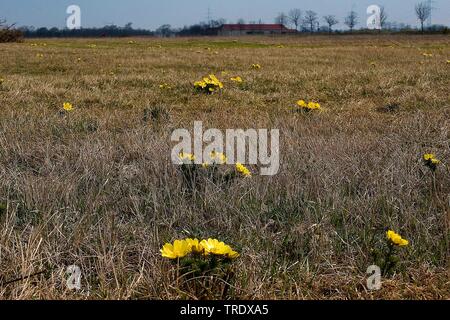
309	21
301	21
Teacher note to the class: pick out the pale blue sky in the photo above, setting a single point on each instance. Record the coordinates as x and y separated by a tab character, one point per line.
150	14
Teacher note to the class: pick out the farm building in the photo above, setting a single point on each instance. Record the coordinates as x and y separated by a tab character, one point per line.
249	29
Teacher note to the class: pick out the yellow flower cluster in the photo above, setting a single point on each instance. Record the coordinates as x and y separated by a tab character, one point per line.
396	239
243	170
216	158
38	44
165	86
237	79
209	84
256	66
431	161
186	157
426	54
310	106
68	106
181	248
39	55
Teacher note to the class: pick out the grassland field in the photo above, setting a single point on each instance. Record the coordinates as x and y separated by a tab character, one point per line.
96	187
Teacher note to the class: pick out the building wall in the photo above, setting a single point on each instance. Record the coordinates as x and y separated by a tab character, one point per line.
232	33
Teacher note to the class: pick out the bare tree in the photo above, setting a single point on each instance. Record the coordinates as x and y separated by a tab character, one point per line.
331	21
310	20
295	16
282	18
3	25
351	20
423	12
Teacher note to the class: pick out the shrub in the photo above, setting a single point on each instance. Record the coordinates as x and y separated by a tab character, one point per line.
10	35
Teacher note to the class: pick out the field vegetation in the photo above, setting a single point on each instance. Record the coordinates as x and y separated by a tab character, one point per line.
93	185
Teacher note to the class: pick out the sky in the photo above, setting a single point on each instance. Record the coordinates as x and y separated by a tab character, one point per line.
151	14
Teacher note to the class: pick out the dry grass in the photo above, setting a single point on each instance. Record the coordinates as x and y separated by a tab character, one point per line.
96	188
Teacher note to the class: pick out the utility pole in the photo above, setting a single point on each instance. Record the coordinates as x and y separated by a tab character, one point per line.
430	19
208	18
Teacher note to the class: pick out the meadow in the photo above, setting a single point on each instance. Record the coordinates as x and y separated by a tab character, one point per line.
95	186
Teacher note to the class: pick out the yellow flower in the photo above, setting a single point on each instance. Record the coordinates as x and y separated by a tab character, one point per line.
216	81
39	55
256	66
301	103
236	79
68	106
431	161
209	84
186	157
179	249
448	61
2	81
218	157
215	247
243	170
194	245
165	86
310	106
426	54
215	158
200	84
396	239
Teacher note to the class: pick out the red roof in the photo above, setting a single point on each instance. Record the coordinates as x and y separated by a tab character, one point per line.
255	27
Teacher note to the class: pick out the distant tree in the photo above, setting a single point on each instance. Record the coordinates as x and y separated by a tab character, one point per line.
295	17
351	20
423	12
282	18
165	30
241	21
217	23
3	25
8	33
331	21
310	20
129	26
